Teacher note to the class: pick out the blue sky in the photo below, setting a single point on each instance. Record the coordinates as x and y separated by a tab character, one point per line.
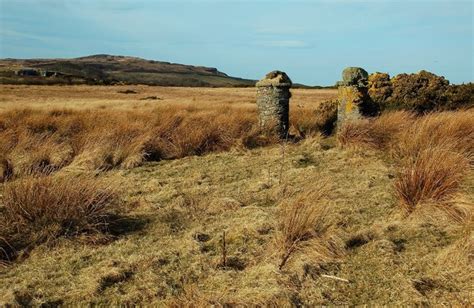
311	40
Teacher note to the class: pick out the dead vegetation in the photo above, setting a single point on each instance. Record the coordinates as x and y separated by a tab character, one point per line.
304	225
377	134
433	152
34	141
40	210
435	174
296	224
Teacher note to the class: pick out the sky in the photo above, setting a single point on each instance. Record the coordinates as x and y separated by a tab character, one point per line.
312	41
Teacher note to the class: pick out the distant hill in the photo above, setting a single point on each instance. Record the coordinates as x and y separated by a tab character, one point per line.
109	69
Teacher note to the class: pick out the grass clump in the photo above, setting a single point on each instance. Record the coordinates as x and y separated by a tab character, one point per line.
312	122
304	225
452	130
40	210
434	174
378	133
432	153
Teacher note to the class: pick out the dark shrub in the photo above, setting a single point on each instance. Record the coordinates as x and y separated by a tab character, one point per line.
460	96
421	92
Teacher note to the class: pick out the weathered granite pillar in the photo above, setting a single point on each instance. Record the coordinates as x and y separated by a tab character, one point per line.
353	99
273	103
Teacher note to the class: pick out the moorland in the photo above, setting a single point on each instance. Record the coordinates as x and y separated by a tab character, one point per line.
135	194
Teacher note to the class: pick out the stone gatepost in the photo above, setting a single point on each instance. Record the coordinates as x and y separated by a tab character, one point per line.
273	103
353	99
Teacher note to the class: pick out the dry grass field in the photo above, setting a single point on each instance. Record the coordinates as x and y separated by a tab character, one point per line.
109	198
104	97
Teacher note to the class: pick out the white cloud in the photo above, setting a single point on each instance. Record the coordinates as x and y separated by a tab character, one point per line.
284	43
17	34
288	29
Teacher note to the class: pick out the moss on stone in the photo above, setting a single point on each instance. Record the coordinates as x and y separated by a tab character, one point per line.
355	76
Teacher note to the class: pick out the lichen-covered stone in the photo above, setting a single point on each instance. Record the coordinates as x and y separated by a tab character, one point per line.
273	99
353	99
349	99
355	76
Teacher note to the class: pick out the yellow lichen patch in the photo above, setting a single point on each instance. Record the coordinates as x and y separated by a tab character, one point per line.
349	106
348	96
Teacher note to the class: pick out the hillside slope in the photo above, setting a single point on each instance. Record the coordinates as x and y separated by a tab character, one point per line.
109	69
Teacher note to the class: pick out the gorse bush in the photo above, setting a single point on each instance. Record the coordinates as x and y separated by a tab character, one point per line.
34	141
421	93
39	210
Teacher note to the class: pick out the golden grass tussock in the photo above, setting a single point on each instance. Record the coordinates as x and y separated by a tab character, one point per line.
434	174
39	210
36	141
453	130
433	153
304	225
310	122
376	133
